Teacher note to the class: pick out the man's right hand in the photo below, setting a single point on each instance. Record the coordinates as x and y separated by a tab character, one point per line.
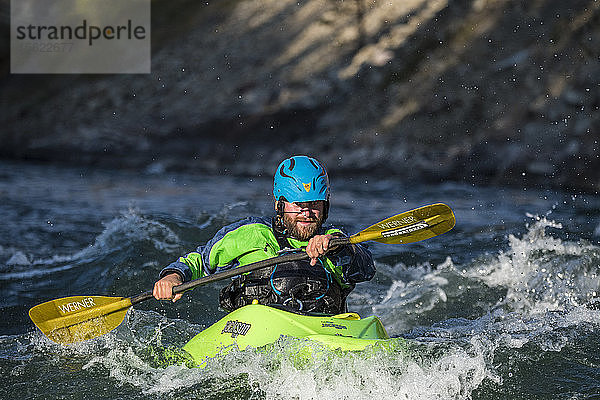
163	289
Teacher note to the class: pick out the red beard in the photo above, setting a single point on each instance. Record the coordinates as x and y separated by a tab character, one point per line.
298	231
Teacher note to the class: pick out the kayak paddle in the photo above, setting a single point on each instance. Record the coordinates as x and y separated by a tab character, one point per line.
78	318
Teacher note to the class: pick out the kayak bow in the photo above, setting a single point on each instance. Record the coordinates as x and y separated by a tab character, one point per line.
257	325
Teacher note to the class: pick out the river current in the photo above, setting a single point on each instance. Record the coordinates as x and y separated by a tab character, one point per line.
504	306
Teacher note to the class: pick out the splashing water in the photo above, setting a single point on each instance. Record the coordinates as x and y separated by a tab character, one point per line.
543	273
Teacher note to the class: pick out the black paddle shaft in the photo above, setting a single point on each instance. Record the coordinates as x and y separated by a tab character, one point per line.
295	256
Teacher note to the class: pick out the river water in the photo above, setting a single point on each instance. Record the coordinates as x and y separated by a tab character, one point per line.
501	307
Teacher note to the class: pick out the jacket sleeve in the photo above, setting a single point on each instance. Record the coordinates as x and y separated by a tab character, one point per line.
361	267
188	267
356	261
237	244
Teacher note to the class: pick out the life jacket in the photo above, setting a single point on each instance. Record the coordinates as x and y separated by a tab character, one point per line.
295	286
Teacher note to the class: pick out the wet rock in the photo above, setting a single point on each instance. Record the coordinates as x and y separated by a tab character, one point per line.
462	90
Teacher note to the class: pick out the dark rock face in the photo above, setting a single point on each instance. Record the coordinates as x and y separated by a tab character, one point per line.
491	92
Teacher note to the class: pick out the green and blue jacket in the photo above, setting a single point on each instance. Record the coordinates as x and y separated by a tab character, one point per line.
252	239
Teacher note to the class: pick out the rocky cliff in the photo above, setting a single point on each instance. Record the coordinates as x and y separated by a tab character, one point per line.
483	91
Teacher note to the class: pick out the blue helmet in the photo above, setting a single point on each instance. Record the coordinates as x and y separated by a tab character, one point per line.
301	178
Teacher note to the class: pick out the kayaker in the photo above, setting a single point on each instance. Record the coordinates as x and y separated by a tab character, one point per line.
301	191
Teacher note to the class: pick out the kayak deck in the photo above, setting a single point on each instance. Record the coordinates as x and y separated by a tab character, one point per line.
258	325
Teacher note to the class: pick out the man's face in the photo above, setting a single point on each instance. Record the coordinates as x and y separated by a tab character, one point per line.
303	219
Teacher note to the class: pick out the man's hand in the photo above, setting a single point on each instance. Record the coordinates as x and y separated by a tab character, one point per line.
163	289
317	246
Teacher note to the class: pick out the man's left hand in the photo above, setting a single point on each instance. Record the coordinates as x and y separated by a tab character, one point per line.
317	246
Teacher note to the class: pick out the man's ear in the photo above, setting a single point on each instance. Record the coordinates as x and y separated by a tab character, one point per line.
276	204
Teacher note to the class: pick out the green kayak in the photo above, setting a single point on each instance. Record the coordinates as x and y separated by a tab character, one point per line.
257	325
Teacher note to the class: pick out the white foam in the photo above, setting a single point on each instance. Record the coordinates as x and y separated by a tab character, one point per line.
404	301
18	258
132	226
541	272
299	369
379	374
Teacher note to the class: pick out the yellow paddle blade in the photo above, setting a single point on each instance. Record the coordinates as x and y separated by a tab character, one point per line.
78	318
411	226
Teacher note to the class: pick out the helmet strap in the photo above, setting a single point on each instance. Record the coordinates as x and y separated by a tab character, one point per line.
325	211
278	218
